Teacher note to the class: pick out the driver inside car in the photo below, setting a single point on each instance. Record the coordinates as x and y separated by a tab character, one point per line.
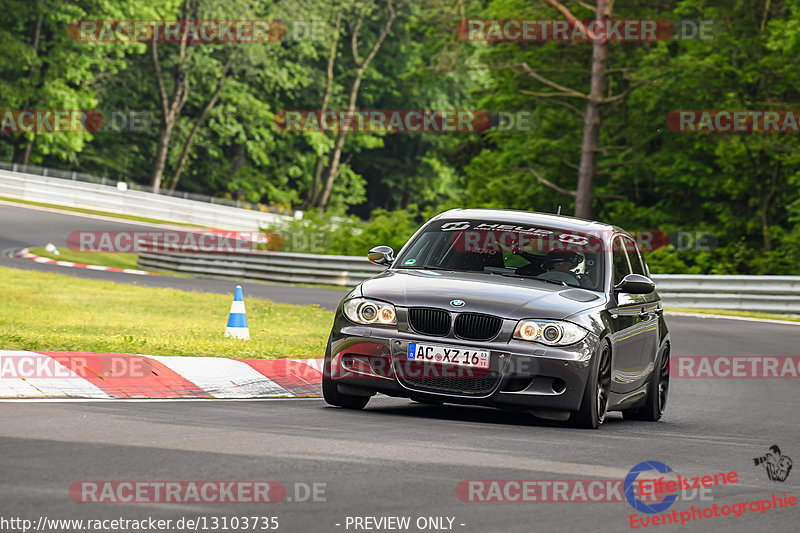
560	265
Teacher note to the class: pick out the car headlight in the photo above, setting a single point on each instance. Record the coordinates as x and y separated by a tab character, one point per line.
363	311
552	333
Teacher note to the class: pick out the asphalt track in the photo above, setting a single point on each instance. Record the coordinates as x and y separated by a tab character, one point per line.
21	227
396	458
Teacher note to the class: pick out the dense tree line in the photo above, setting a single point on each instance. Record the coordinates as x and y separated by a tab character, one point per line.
599	142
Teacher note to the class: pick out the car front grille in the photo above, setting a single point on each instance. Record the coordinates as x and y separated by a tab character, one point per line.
428	378
473	326
429	321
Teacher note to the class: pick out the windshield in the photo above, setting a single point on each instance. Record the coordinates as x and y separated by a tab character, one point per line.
567	258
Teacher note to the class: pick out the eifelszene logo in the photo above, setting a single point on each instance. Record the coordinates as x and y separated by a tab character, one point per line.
630	494
777	466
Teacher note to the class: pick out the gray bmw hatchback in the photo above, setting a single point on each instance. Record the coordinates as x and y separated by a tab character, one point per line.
509	309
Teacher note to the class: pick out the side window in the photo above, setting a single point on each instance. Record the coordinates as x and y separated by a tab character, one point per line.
633	256
620	260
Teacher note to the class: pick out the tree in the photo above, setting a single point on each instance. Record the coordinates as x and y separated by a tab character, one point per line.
320	192
584	194
46	65
173	100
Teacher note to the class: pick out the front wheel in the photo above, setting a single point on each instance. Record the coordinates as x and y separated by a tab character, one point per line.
330	391
594	405
332	395
657	392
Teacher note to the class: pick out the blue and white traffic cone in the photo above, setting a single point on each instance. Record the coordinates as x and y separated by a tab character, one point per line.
237	321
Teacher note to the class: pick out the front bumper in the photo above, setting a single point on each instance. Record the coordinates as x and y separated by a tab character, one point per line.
521	375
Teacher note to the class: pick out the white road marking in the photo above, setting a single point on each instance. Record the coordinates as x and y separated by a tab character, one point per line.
74	385
222	377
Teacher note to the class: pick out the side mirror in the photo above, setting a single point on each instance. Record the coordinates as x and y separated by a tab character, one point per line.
381	255
635	284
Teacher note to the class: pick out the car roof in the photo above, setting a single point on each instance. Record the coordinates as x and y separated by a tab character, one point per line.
547	220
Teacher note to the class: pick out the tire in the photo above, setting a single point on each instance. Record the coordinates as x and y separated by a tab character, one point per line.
331	393
594	405
657	393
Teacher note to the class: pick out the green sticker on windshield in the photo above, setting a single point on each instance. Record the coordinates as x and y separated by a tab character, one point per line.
410	262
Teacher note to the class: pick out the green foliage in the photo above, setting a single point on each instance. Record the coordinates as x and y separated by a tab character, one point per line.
45	67
338	234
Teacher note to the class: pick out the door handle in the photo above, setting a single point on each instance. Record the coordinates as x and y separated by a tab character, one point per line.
644	314
659	311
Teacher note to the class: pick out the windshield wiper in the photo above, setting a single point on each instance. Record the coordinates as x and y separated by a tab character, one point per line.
562	283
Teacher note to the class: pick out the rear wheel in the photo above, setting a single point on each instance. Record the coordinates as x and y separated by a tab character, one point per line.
330	391
594	405
657	393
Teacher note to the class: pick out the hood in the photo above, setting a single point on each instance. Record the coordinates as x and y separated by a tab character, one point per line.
493	294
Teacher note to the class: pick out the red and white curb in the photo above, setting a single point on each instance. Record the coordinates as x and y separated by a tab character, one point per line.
26	374
25	254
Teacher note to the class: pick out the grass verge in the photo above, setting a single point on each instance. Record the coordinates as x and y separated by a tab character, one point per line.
54	312
133	218
725	312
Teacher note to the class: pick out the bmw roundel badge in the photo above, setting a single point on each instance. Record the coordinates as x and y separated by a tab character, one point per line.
457	303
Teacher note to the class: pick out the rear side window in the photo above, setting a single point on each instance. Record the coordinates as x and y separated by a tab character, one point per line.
620	260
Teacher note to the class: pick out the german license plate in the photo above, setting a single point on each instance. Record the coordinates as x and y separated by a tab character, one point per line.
429	353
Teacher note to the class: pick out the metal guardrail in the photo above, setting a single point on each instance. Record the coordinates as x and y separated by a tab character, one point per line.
65	192
74	175
286	267
770	294
767	294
